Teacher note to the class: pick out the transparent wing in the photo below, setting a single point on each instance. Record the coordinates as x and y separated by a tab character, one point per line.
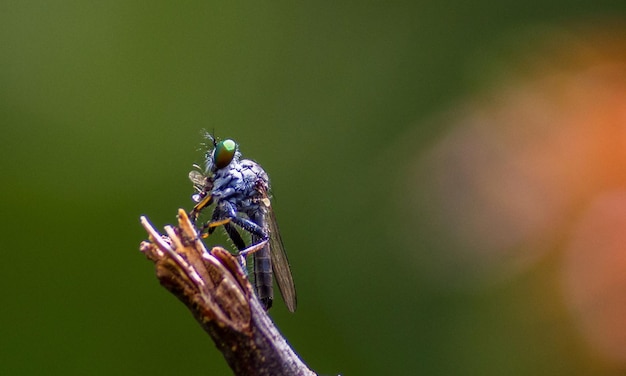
280	263
198	179
202	185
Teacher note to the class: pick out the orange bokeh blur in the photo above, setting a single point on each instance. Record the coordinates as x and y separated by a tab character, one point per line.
536	166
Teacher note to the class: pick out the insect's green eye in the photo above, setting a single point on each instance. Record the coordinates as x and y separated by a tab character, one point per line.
224	153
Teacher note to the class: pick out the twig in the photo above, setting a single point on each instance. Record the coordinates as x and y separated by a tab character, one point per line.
215	289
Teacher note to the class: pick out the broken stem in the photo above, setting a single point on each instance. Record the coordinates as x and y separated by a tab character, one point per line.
215	289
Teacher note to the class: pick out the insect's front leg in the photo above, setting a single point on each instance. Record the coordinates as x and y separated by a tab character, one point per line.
203	203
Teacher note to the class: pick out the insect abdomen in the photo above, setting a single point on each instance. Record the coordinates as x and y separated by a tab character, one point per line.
263	277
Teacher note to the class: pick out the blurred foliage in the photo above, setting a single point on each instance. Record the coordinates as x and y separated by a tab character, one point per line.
101	109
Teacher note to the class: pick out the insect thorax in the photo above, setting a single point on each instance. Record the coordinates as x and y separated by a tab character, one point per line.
244	184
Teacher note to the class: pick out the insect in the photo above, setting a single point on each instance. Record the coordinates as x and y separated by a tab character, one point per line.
239	190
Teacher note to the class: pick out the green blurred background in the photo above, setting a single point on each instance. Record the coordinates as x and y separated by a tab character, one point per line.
101	106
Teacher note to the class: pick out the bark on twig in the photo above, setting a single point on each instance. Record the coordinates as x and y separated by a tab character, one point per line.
215	289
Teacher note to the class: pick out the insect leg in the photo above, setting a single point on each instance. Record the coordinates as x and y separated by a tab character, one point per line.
255	225
228	211
195	212
210	227
225	215
235	236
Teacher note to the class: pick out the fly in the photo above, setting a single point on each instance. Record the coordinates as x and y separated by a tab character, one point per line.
239	190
